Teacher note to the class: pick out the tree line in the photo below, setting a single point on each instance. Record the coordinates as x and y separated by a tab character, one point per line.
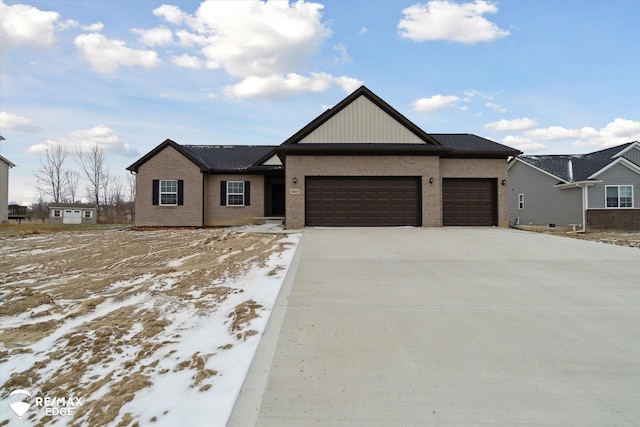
65	176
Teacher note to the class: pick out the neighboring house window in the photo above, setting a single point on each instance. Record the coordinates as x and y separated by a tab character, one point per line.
168	192
521	201
235	193
88	214
57	213
619	196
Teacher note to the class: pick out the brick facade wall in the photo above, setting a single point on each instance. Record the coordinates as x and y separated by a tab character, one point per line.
169	164
424	166
613	219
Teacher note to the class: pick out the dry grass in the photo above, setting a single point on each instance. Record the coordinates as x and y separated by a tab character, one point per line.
31	228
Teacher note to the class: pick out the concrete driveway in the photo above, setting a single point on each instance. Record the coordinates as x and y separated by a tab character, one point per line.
450	326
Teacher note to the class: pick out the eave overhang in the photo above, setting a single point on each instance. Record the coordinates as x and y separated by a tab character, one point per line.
587	183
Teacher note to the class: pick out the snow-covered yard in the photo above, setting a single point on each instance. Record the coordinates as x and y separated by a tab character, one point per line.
141	328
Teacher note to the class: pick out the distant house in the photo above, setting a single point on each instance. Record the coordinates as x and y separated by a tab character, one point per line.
5	165
72	213
360	163
600	190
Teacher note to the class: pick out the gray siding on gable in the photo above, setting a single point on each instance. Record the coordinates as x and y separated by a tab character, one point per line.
617	175
544	203
633	155
362	122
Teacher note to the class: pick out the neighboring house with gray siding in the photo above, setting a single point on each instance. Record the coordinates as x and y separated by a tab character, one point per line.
599	189
5	165
360	163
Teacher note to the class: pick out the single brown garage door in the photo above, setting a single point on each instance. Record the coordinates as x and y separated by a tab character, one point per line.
469	201
363	201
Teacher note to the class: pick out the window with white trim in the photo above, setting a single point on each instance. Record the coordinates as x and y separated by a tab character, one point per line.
169	192
235	193
619	196
521	201
57	213
87	214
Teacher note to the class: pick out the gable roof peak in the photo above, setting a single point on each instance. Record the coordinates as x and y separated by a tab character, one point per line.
348	100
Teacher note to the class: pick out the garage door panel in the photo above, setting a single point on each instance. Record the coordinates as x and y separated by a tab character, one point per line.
469	201
363	201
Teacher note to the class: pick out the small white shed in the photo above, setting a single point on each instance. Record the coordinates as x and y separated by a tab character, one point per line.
72	213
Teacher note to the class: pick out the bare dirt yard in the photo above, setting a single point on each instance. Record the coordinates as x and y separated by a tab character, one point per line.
138	327
620	238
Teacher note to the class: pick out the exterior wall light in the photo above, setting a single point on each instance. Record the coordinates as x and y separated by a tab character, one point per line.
504	182
431	180
295	180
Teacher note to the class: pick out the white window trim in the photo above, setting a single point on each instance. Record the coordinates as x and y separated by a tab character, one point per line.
57	213
521	201
618	187
161	193
84	214
229	193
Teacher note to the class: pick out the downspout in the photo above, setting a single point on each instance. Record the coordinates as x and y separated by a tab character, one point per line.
585	206
203	198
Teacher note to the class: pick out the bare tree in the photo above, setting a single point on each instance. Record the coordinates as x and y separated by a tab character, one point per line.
51	175
131	186
72	180
95	171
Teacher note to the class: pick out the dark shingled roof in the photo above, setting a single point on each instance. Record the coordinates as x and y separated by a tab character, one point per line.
465	143
230	157
574	167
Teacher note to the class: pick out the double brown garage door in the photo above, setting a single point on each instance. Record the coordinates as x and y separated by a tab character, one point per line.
395	201
363	201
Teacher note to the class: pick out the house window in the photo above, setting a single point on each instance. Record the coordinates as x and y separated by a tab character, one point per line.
235	193
619	196
57	213
88	214
521	201
169	192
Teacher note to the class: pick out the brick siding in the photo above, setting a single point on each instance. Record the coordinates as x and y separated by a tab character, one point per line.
613	219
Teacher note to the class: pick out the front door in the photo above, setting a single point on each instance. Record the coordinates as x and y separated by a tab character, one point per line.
277	200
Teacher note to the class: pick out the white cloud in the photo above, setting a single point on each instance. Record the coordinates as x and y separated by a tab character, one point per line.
72	23
496	107
254	38
171	14
343	56
98	26
18	123
105	55
617	132
256	42
24	25
159	36
187	61
348	84
83	139
278	86
522	143
511	125
363	30
446	20
435	103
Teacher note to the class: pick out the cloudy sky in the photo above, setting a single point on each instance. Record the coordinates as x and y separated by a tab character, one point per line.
542	76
